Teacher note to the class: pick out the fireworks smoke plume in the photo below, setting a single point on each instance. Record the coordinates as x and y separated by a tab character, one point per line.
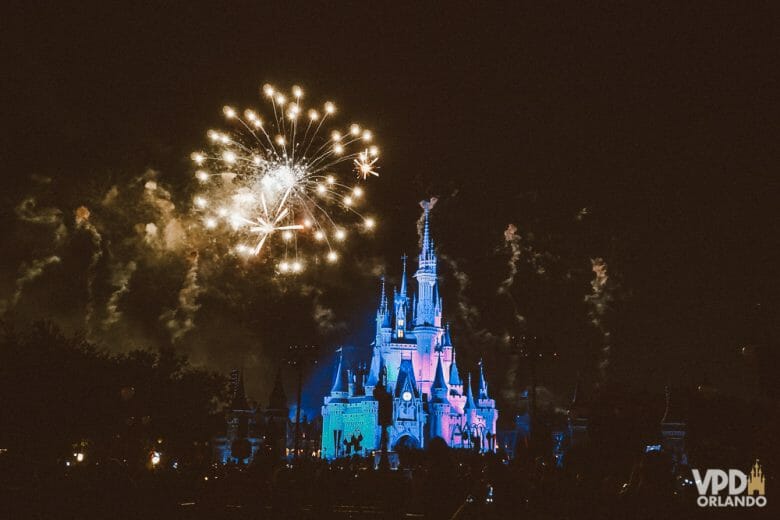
425	205
182	320
83	222
121	281
29	273
599	302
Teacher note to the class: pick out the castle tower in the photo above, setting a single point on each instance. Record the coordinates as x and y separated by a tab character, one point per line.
439	405
426	330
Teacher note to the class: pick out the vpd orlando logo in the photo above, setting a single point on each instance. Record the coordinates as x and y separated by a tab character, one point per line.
732	488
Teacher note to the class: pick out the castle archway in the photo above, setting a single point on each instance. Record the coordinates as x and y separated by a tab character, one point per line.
406	442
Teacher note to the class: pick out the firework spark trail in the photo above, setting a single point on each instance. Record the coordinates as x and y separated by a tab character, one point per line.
599	301
277	177
121	282
29	273
182	319
83	222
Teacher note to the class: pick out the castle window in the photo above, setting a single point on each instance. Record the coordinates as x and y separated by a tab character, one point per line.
400	323
400	334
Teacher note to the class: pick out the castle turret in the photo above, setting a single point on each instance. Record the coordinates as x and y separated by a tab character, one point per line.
439	405
455	381
483	387
426	275
439	386
376	370
470	408
382	316
340	388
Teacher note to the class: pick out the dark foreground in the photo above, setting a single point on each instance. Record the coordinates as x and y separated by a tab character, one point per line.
447	485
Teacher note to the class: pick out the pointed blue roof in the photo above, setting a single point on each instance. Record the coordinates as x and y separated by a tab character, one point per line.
438	379
446	340
406	379
377	365
454	374
470	404
341	379
483	387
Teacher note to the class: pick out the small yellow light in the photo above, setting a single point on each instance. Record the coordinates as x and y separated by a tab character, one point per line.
306	223
367	135
358	191
200	202
338	148
354	129
213	135
332	256
319	235
284	267
229	112
373	151
229	156
297	91
257	160
330	107
321	189
335	135
314	115
210	223
369	223
201	176
340	234
280	140
198	158
268	90
222	212
330	179
79	457
287	235
296	266
347	200
280	99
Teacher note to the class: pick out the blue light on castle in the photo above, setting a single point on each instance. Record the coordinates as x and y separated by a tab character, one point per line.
411	354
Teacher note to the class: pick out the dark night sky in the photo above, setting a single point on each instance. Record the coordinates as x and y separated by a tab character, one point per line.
657	119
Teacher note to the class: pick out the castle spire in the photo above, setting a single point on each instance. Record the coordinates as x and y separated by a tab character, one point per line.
438	379
483	387
470	405
383	298
403	277
454	373
340	386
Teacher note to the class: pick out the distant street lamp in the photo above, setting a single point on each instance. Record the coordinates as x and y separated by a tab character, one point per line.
155	458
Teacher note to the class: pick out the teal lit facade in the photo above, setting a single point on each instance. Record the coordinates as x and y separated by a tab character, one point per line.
414	356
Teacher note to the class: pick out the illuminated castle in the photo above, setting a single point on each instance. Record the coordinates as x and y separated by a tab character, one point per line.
411	354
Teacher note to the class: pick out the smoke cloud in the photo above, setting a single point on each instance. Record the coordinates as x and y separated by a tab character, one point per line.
599	301
182	319
121	282
83	223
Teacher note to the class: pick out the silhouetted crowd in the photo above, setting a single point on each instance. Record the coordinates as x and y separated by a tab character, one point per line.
437	483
